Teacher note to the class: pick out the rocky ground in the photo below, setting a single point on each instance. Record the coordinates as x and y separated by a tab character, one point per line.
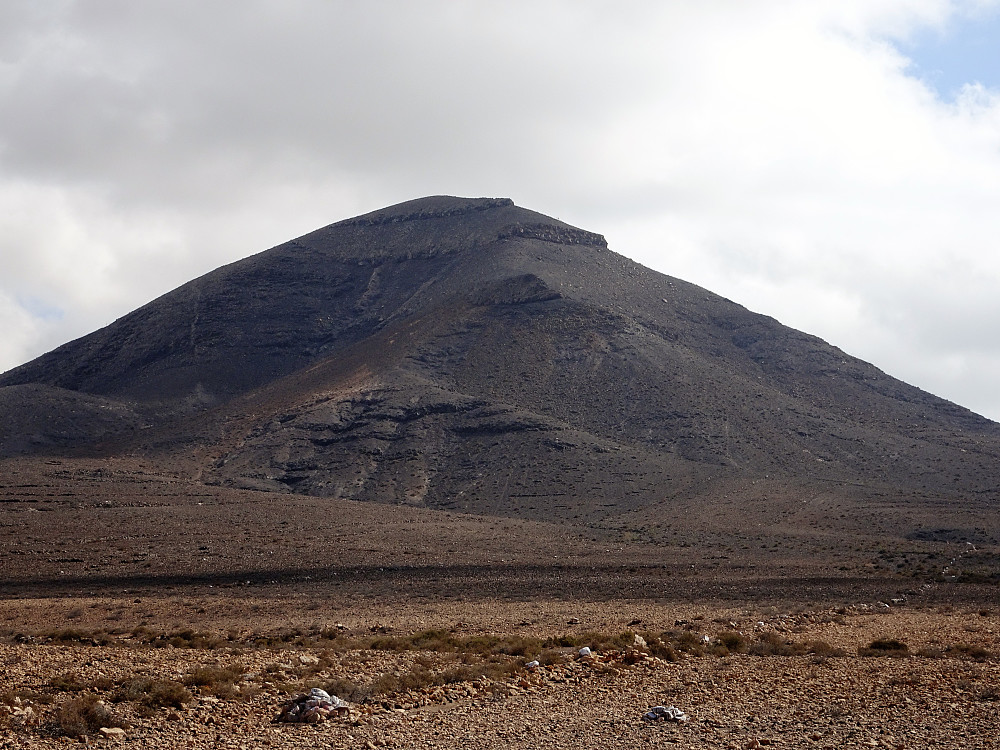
123	608
458	674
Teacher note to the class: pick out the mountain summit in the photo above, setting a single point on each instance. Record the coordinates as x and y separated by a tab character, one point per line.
470	354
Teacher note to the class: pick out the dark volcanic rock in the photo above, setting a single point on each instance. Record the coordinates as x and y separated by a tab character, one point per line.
39	418
470	354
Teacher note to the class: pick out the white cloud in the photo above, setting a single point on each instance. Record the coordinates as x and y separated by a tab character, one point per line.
21	330
781	153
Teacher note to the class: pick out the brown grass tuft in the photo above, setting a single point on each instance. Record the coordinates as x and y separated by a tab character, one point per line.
85	715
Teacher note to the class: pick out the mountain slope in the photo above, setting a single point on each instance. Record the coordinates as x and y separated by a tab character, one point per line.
470	354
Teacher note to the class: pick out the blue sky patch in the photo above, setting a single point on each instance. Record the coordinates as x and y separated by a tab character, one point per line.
40	309
968	51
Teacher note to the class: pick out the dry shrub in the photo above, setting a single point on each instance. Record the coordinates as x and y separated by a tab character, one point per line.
186	638
561	641
215	680
153	693
550	656
662	650
390	684
512	645
494	670
686	641
417	678
823	649
299	637
592	639
965	651
348	689
885	647
671	645
443	641
428	661
733	642
772	644
11	697
425	640
85	715
67	683
82	637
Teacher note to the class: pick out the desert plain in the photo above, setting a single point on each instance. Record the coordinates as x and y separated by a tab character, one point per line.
174	634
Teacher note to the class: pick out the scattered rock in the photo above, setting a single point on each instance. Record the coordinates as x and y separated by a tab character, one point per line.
311	707
585	652
308	659
668	713
24	716
112	732
634	656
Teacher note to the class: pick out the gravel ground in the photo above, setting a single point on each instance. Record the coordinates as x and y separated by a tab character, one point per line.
923	699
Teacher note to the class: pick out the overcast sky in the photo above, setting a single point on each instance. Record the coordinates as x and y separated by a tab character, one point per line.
832	163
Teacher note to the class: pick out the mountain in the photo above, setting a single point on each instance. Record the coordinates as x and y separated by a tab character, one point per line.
468	354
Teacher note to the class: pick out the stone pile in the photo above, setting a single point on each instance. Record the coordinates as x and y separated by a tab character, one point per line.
665	713
311	707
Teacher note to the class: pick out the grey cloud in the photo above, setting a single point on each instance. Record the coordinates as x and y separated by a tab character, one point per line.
269	92
756	148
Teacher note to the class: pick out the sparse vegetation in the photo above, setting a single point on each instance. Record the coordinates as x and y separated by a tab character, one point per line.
443	641
215	680
67	683
884	647
733	642
178	639
989	694
391	671
773	644
964	650
153	693
85	715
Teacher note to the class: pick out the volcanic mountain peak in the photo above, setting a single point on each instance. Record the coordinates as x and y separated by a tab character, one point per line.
249	322
431	207
438	225
471	354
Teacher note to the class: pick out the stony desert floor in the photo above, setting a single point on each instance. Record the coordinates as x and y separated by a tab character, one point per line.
448	674
178	616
